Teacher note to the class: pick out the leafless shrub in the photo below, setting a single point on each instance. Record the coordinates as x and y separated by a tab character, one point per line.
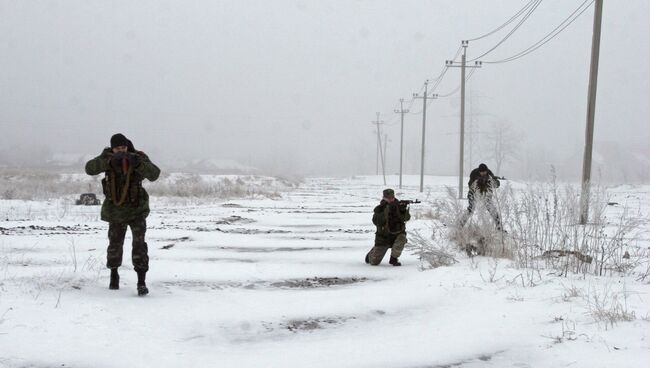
645	271
57	282
479	236
571	292
608	307
493	266
530	277
431	255
541	220
568	332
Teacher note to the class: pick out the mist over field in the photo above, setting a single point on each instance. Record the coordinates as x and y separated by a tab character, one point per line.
290	87
253	212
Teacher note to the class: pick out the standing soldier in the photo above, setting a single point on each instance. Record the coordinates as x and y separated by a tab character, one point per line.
126	204
482	183
389	217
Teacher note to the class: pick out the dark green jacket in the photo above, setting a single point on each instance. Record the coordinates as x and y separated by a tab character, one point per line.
136	199
381	219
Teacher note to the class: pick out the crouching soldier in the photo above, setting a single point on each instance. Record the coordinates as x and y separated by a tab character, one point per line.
126	204
389	217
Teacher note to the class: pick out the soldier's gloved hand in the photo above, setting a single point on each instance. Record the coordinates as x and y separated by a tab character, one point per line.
134	160
116	161
106	154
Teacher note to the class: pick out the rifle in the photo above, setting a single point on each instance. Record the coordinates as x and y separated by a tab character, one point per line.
406	202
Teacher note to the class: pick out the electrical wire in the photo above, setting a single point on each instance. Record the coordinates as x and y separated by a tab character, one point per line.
549	36
467	77
460	48
528	9
512	31
435	86
412	100
519	13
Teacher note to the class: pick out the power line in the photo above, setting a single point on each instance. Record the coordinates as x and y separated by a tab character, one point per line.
435	86
460	48
469	75
549	36
440	75
444	70
437	80
412	100
520	12
512	31
394	107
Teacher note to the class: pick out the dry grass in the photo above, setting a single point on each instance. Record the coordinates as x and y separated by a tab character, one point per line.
37	185
541	220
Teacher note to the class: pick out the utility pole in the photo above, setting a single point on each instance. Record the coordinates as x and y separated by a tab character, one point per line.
424	125
401	138
377	161
380	154
463	66
385	156
591	113
471	125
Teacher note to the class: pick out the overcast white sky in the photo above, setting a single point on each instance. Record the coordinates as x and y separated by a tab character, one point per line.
291	86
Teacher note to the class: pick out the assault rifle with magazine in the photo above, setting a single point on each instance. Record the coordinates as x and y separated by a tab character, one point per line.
406	202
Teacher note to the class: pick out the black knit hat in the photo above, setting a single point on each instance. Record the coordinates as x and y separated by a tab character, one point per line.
482	167
389	193
118	140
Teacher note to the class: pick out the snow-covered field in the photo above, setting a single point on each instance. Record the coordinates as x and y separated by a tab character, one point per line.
282	283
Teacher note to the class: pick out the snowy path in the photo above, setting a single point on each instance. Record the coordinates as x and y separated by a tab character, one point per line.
282	283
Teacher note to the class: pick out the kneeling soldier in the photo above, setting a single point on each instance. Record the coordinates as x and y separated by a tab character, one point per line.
389	217
126	204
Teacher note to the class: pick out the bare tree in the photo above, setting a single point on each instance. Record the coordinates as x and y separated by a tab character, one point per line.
503	143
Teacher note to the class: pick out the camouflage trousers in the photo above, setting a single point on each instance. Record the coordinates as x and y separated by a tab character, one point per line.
116	234
489	205
395	242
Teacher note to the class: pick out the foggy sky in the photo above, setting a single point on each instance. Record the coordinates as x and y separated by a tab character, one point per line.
291	86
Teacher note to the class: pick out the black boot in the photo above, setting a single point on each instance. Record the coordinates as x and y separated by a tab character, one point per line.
115	280
142	287
394	261
368	258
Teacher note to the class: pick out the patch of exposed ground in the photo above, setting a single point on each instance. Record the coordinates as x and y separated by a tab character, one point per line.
308	283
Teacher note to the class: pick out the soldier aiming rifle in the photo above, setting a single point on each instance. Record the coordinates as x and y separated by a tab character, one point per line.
390	217
482	183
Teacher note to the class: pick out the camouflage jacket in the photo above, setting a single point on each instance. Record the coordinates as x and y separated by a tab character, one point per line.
482	184
126	199
390	218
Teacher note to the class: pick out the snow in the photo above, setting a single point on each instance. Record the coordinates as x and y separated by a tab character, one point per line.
282	283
